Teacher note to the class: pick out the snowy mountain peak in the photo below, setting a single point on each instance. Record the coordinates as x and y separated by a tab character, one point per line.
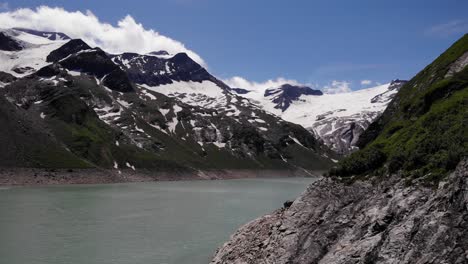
155	71
71	47
388	95
45	34
396	84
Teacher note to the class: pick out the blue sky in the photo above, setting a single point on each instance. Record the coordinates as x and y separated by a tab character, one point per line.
312	42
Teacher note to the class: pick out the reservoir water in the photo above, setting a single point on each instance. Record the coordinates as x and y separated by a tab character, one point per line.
136	223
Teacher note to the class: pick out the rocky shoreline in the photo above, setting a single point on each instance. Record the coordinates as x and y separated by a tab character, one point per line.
40	176
376	221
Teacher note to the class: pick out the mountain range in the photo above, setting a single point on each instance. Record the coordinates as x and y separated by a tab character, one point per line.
66	105
141	113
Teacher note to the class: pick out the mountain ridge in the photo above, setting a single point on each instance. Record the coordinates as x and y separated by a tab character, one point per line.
93	108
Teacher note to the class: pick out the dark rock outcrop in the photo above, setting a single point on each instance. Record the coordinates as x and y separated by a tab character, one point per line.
71	47
154	71
286	94
77	55
142	69
187	69
9	44
159	53
96	62
6	77
240	91
49	71
118	80
23	70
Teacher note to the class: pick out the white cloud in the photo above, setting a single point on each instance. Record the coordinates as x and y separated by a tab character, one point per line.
239	82
337	87
448	28
366	82
126	36
332	88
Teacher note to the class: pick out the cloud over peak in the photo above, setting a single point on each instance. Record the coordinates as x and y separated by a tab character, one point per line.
239	82
126	36
337	87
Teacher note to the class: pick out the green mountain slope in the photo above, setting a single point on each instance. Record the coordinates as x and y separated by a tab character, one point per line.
423	131
26	142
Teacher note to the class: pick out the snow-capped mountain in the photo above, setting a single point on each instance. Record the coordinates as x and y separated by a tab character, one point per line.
285	95
45	34
22	53
137	112
177	76
338	119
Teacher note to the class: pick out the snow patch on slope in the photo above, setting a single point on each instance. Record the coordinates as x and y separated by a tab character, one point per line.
203	94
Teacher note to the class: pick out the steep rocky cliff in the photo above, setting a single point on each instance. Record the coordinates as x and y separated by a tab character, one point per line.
365	222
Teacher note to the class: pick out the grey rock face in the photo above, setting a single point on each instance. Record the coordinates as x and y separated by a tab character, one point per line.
366	222
341	133
458	65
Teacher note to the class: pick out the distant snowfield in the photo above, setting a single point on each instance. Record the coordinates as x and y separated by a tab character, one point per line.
337	119
34	55
33	39
308	108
